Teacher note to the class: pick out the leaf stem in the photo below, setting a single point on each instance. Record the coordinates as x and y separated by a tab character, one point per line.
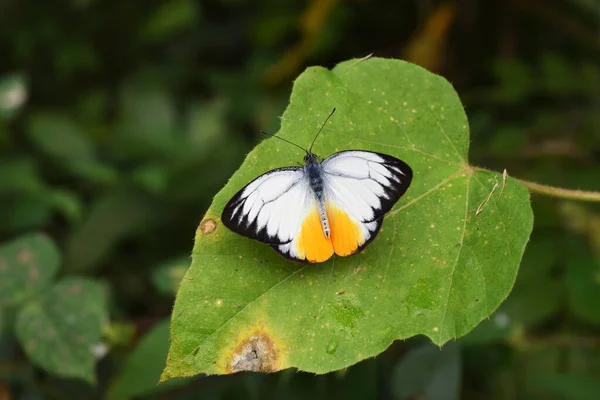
560	192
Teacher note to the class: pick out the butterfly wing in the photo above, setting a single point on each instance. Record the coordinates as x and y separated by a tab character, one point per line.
279	209
360	187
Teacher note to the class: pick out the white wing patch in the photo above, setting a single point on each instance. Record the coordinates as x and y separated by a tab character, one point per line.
364	184
271	208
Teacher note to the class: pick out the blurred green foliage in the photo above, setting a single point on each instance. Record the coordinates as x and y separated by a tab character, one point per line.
120	120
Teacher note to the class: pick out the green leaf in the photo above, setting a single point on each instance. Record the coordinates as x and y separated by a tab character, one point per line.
27	265
59	136
567	386
24	213
583	282
63	140
428	372
147	124
143	367
446	257
19	176
171	17
58	331
112	217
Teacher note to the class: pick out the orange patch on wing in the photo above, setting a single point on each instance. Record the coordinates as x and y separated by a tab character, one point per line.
312	243
346	235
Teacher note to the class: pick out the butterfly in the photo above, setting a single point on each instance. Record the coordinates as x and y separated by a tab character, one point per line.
330	206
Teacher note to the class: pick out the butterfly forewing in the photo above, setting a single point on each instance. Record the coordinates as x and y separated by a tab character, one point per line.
261	210
365	184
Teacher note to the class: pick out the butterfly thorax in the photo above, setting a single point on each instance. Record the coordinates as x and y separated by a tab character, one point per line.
314	173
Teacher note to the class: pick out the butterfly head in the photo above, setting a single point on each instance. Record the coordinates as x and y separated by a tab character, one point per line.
311	158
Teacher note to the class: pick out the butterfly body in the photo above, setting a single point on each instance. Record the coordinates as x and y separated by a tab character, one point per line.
313	171
309	213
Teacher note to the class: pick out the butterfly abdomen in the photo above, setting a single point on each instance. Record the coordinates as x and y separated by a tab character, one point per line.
314	174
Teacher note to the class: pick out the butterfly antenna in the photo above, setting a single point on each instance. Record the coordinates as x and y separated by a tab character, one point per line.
320	129
285	140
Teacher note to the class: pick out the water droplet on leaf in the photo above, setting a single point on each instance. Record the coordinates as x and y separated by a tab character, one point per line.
332	345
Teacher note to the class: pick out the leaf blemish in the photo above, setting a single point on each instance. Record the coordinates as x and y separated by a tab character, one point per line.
208	226
257	351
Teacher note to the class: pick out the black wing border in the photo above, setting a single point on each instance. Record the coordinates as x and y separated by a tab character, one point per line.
251	231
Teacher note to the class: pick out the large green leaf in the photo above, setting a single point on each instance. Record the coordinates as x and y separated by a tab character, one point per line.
446	257
60	329
27	264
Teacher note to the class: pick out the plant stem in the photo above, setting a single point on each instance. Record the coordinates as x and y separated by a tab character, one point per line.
581	195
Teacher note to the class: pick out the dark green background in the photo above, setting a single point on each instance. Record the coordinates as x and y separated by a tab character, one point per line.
137	113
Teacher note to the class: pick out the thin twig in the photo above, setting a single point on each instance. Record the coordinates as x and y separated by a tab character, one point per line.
571	194
561	193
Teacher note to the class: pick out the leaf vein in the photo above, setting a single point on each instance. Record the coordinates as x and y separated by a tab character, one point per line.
445	311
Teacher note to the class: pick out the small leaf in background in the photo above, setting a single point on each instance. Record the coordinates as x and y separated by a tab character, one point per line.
59	136
63	140
567	386
170	18
207	125
152	177
557	76
111	218
147	125
67	203
583	282
19	175
531	304
13	94
140	373
60	329
428	372
27	264
24	213
446	257
584	221
517	81
118	333
24	197
166	277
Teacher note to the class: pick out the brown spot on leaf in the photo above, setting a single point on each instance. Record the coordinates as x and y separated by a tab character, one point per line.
208	226
257	352
75	289
25	256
